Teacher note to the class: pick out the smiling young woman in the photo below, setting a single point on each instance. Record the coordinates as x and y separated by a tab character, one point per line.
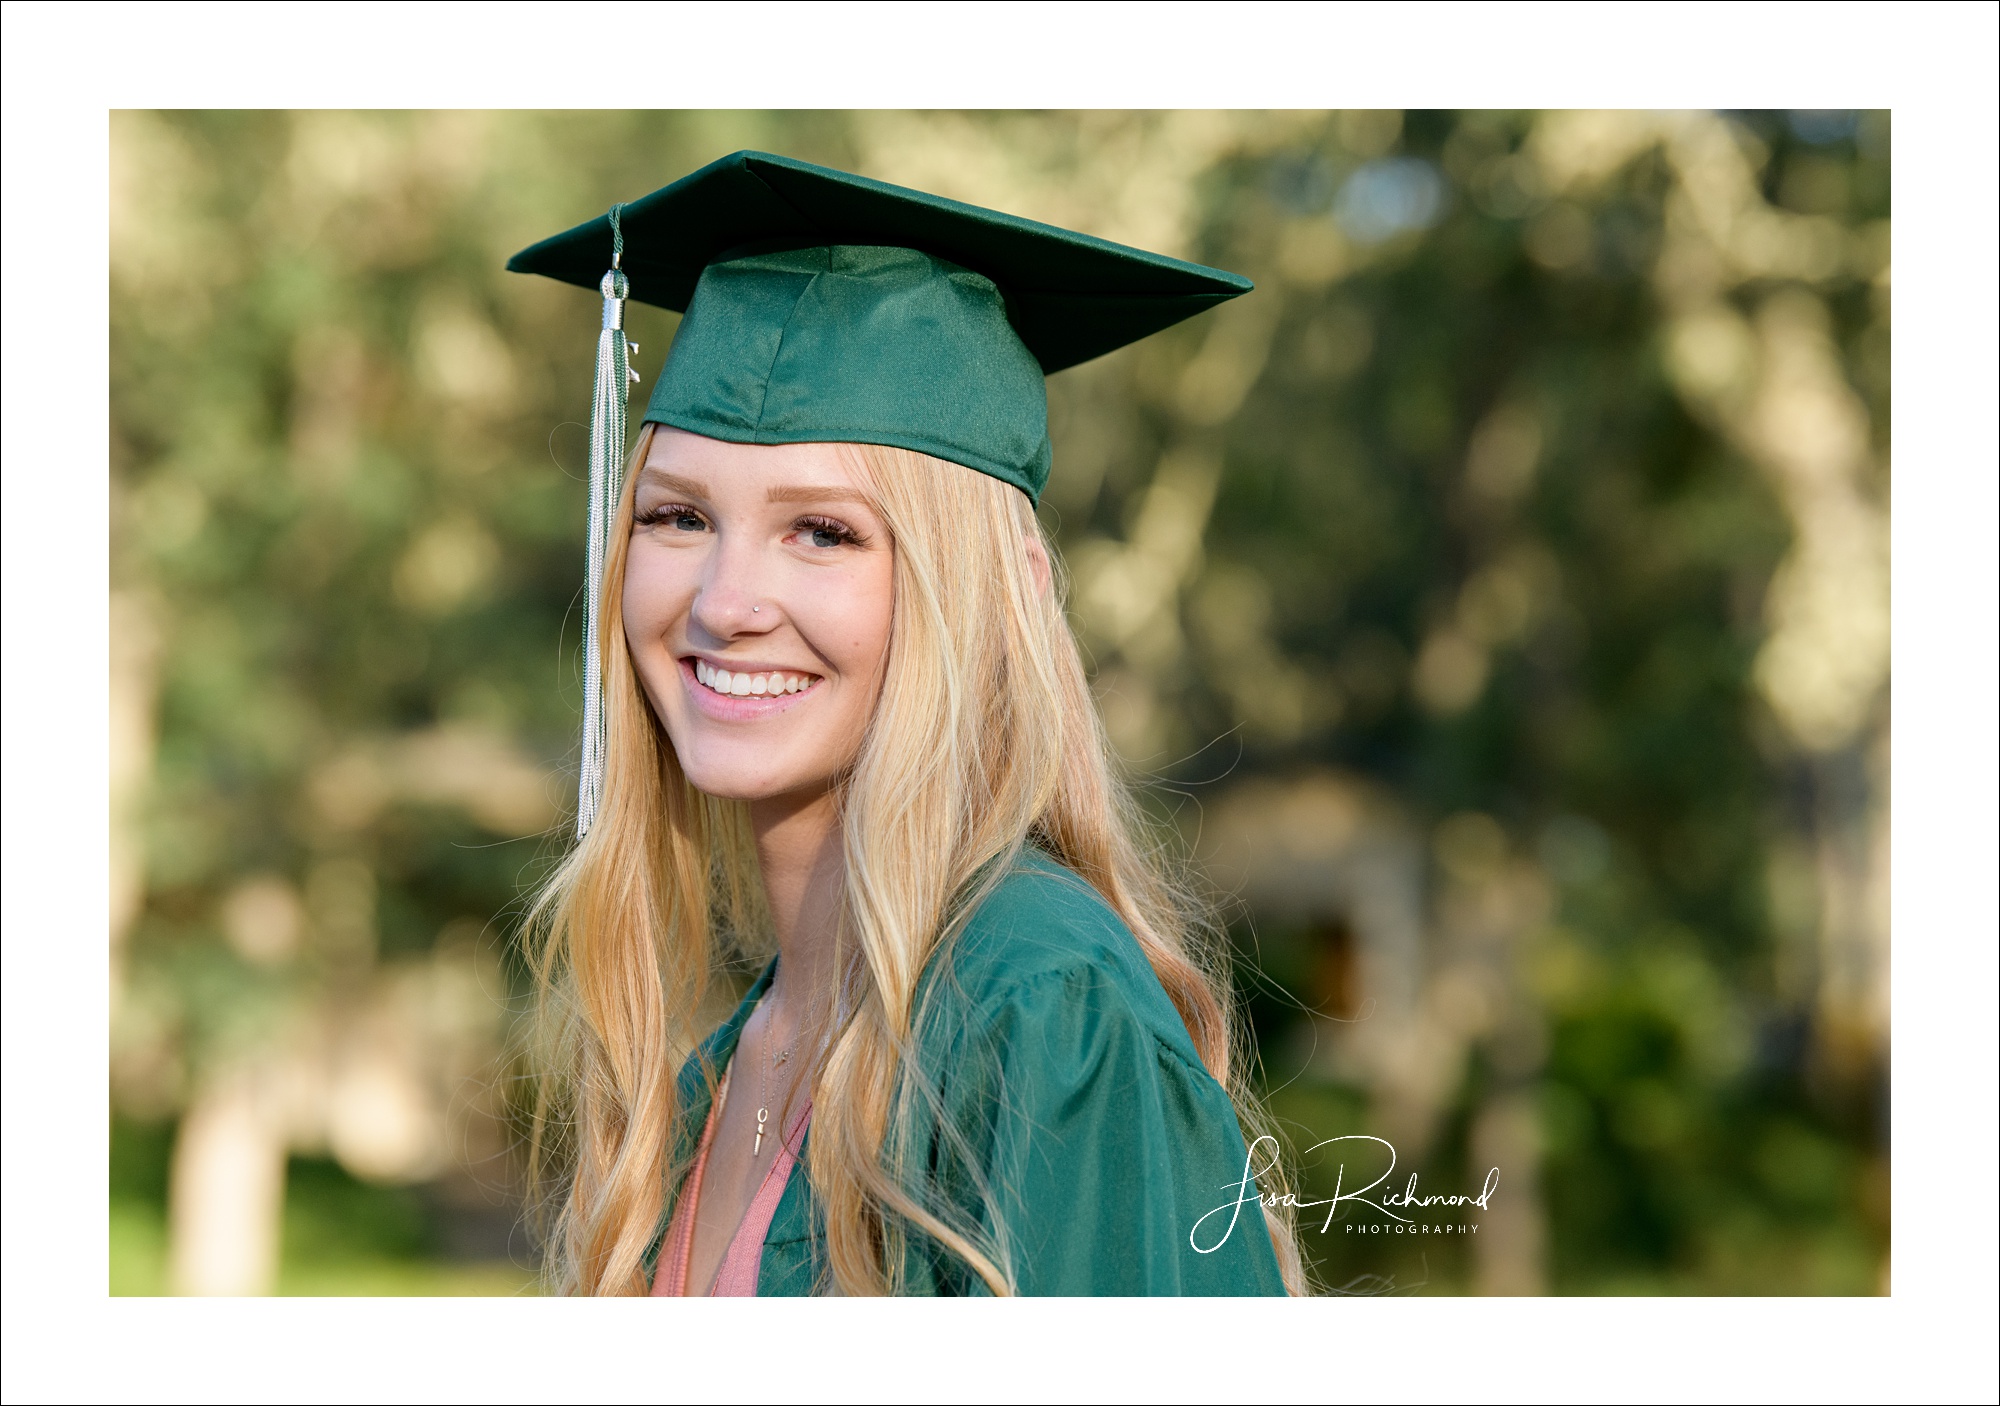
845	722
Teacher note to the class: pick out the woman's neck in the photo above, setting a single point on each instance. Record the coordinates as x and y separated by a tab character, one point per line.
798	848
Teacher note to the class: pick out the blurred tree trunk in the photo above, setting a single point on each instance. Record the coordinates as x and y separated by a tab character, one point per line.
1510	1250
226	1200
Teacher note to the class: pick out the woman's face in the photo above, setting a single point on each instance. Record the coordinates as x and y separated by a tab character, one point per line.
758	596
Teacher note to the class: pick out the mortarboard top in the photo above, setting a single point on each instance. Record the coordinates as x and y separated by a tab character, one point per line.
825	306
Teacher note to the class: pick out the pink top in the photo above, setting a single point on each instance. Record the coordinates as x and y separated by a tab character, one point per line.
737	1276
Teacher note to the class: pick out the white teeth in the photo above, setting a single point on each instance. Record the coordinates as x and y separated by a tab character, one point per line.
741	685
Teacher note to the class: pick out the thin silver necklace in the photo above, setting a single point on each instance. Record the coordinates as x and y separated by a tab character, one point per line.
765	1068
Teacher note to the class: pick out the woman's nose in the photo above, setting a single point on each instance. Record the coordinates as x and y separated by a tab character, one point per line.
730	602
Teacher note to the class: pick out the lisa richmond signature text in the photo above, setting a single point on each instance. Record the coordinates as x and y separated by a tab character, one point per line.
1391	1203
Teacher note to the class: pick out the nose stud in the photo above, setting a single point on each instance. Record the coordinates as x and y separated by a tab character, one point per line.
755	608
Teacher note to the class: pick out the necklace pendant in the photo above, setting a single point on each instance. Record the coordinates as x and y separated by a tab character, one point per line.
758	1146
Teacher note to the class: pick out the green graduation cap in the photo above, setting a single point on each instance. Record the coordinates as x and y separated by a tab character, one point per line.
822	306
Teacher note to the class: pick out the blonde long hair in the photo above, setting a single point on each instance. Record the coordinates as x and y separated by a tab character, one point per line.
984	738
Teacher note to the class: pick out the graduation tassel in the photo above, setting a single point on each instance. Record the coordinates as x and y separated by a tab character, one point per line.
607	472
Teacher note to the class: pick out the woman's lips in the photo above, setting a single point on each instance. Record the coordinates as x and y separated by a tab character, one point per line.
746	707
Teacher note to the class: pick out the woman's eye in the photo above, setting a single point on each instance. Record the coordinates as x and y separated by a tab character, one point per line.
675	517
825	533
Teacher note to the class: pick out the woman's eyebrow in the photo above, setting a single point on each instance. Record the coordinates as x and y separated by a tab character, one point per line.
809	494
674	483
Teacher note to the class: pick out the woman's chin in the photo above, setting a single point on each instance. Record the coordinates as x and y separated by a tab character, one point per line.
725	782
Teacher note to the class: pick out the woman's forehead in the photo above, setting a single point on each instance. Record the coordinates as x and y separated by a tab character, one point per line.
776	472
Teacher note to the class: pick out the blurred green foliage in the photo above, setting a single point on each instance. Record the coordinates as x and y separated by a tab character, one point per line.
340	1236
1695	1140
1481	505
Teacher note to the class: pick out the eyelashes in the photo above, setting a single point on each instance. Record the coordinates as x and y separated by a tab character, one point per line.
818	527
824	532
668	513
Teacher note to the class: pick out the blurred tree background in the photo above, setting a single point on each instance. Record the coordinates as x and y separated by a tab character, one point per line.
1497	600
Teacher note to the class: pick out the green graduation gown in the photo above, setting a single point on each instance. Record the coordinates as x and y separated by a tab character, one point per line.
1073	1088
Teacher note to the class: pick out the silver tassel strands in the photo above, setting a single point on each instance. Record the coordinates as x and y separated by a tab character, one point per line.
607	473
